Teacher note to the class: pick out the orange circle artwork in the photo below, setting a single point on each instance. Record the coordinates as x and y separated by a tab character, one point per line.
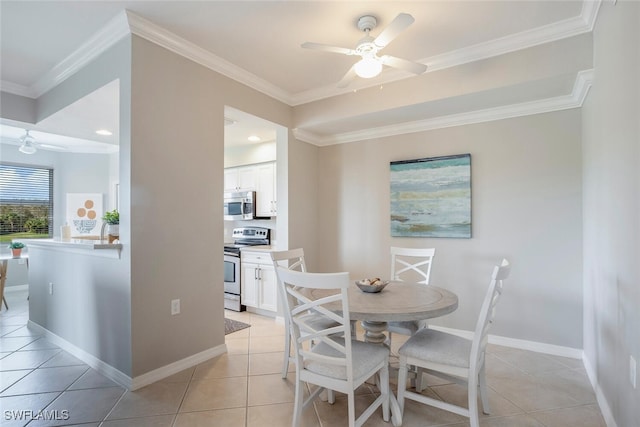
88	204
82	212
91	214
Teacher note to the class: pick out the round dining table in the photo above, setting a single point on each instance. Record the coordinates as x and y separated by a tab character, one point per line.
398	301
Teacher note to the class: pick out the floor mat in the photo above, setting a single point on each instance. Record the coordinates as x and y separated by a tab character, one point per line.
231	326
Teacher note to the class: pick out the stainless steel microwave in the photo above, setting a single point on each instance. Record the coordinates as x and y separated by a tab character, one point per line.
239	206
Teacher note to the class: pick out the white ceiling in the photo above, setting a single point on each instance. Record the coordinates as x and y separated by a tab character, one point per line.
260	41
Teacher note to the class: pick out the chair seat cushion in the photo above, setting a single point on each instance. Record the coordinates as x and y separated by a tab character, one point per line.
365	357
408	327
438	347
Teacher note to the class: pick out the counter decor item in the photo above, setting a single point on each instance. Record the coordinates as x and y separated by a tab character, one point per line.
372	285
16	249
112	221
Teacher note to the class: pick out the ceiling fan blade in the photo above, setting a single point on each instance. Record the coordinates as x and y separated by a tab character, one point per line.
348	78
398	25
327	48
403	64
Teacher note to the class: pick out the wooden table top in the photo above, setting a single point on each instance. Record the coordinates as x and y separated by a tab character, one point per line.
398	301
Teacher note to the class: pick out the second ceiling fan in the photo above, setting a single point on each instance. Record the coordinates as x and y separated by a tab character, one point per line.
370	64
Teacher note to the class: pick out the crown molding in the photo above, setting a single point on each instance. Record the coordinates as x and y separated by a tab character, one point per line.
127	22
158	35
575	99
570	27
16	89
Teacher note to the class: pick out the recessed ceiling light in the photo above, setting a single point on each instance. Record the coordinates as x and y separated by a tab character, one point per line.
104	132
254	138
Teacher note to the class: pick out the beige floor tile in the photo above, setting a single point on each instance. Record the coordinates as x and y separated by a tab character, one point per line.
44	380
180	377
63	359
155	399
221	417
217	393
83	406
26	359
8	378
269	389
583	416
242	333
40	344
223	366
155	421
268	363
271	344
418	414
533	394
22	331
337	415
280	415
26	402
15	343
572	382
523	420
267	329
92	379
237	345
530	362
457	395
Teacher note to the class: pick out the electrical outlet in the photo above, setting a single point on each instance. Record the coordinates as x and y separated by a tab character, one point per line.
632	371
175	307
50	288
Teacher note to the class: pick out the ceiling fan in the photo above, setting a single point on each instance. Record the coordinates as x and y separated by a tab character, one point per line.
370	64
28	144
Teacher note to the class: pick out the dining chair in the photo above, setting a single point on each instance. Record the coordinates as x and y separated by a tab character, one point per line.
454	357
335	361
414	264
293	259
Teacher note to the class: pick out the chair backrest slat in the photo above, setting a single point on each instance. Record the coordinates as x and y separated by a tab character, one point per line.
411	260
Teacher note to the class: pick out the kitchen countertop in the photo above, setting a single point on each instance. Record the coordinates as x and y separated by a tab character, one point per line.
94	247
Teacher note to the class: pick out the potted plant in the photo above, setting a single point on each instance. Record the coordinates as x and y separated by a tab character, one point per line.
16	249
112	219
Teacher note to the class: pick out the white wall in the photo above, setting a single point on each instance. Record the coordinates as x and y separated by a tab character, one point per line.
611	128
526	206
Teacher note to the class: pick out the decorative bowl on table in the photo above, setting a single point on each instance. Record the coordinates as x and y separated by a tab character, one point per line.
371	286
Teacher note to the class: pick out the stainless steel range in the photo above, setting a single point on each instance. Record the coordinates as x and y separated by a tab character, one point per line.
243	237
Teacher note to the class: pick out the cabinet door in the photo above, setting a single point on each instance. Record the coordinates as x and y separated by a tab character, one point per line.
265	190
231	179
247	178
250	283
269	289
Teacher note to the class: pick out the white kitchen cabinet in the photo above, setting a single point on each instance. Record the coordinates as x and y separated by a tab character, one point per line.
240	178
259	283
266	202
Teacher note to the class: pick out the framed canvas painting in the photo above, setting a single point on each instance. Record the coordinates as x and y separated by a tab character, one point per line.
431	197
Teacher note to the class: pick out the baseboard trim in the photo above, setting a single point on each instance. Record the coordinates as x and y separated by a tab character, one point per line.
120	377
538	347
605	409
178	366
104	368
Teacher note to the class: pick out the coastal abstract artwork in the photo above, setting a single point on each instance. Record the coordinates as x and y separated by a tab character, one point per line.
84	213
431	197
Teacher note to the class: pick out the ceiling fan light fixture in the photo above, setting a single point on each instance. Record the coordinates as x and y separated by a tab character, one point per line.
368	67
27	146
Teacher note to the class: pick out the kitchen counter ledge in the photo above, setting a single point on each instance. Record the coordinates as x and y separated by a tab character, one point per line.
101	248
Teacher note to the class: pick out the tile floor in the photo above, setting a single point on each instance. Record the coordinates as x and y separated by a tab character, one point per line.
244	388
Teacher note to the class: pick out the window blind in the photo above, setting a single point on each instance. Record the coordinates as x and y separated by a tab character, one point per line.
26	201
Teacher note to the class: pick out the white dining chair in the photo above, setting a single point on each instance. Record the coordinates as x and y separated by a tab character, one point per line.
334	361
454	357
293	259
410	264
